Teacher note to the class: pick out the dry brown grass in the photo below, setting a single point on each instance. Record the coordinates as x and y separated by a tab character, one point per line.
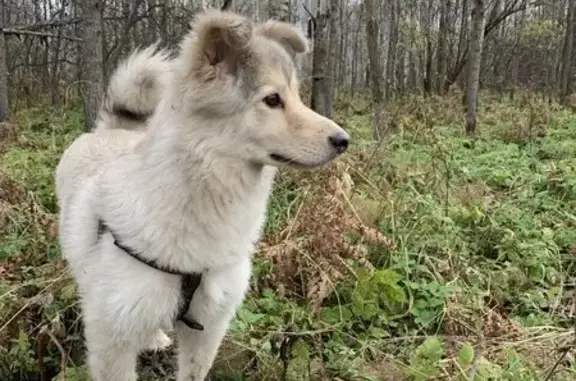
324	240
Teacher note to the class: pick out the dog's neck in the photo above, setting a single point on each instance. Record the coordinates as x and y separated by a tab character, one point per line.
196	159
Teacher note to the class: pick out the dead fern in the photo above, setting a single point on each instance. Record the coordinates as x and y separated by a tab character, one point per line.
325	240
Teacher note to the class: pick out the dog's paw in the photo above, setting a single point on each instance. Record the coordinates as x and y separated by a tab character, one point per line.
159	341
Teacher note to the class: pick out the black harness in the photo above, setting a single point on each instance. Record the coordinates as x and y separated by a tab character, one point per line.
188	285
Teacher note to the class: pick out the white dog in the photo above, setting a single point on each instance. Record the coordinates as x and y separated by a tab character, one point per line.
158	224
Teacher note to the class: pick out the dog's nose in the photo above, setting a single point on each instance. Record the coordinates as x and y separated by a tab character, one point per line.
339	141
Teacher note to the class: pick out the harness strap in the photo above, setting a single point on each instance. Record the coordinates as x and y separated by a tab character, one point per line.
189	282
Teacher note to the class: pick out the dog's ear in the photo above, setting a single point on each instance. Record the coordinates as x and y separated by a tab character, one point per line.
288	35
219	36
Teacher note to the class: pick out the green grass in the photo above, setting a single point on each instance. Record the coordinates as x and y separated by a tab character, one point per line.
479	277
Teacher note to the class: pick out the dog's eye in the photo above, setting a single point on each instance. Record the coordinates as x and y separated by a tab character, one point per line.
273	100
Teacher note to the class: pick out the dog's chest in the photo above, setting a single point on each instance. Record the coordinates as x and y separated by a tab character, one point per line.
211	235
206	234
191	227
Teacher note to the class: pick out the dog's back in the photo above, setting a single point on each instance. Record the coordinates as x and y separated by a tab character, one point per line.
132	95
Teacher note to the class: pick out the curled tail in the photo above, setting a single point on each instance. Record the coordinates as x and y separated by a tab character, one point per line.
134	89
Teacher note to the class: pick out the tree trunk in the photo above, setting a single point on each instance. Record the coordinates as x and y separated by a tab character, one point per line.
401	70
4	104
428	63
321	101
341	51
333	43
91	63
474	62
514	75
372	33
442	53
567	52
279	10
392	49
412	57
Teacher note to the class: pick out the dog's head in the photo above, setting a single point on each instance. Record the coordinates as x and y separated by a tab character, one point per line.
241	78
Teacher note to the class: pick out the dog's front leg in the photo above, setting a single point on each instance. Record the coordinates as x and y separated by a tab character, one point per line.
108	359
197	349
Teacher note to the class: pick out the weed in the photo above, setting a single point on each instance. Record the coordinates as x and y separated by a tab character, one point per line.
430	256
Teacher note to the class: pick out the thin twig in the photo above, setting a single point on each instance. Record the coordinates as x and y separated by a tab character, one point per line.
40	344
29	303
555	366
49	24
20	32
293	223
64	358
564	353
309	14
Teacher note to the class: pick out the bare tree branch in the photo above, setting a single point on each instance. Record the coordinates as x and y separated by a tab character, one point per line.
20	32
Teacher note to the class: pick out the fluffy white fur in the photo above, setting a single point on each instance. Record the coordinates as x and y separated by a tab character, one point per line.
135	86
189	191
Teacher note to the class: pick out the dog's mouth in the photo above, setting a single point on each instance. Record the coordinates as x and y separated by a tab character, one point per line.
297	164
282	159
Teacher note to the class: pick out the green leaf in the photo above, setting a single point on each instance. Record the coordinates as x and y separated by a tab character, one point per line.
394	293
249	317
432	349
388	277
377	333
489	371
300	350
466	355
74	374
366	309
335	315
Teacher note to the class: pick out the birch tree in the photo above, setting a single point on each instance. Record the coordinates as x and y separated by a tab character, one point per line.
474	61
